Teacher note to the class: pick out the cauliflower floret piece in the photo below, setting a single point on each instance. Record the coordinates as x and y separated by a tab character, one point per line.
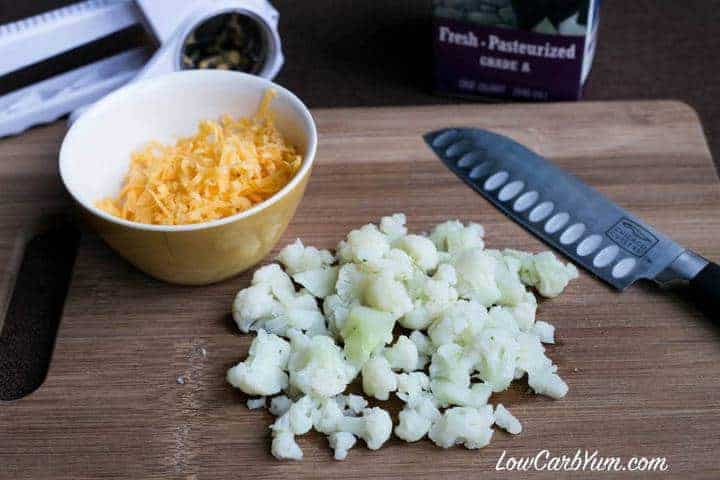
403	355
463	425
317	365
336	312
393	226
506	420
279	405
374	427
328	416
476	276
263	371
507	277
431	295
450	378
255	403
420	409
544	331
350	290
284	446
459	323
385	293
502	317
421	249
364	331
354	403
524	312
544	272
296	421
272	304
545	381
378	379
453	237
320	282
298	258
366	245
496	350
424	347
397	264
341	442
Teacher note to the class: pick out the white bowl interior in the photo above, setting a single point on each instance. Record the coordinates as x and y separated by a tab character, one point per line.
95	154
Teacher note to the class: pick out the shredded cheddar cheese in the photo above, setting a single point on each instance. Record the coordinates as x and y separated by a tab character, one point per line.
226	167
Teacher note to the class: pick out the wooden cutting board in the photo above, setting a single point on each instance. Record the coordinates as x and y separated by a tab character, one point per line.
643	366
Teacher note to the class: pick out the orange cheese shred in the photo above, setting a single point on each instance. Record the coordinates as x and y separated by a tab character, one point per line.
226	167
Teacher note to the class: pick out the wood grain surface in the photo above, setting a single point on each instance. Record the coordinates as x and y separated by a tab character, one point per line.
643	366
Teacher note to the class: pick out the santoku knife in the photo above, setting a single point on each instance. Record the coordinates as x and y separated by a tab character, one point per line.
564	212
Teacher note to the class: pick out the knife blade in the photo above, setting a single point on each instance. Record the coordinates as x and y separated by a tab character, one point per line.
557	207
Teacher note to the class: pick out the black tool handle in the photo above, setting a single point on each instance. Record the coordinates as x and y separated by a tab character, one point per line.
705	287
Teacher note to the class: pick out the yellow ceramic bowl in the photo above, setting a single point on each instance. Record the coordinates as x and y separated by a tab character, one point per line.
95	156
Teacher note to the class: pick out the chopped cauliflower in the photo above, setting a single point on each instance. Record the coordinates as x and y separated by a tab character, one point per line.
378	379
421	249
263	372
394	226
544	272
424	347
472	313
544	331
317	365
506	420
415	420
296	257
374	426
463	426
364	331
476	277
272	304
454	237
341	442
431	296
403	355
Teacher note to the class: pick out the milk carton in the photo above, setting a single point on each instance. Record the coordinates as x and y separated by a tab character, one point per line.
520	49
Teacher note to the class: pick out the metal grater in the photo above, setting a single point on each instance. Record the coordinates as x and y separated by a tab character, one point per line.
43	36
560	209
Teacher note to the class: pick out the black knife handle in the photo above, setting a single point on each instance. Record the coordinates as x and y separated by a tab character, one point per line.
705	288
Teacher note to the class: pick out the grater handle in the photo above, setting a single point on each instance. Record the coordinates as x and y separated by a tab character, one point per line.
705	287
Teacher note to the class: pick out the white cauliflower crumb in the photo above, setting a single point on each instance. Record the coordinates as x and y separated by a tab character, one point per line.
378	379
272	304
393	226
263	372
341	442
472	315
506	420
403	355
465	426
317	365
374	426
255	403
544	331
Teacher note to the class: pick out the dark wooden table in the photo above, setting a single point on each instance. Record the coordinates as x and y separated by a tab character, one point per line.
350	53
